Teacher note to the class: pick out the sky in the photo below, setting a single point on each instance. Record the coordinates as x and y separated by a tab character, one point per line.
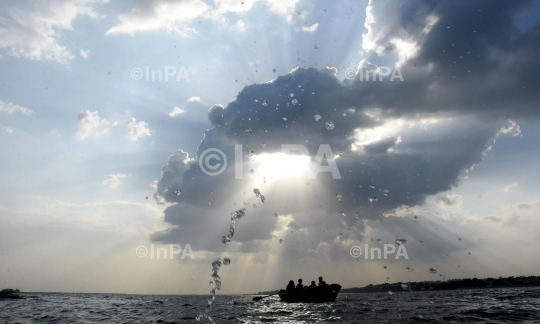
108	108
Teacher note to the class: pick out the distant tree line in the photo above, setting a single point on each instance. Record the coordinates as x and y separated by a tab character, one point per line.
447	285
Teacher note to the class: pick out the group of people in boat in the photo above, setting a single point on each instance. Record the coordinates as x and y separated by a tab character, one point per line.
292	288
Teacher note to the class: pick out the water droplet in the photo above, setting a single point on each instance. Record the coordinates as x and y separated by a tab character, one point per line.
236	81
379	240
408	269
284	118
226	261
372	187
431	270
177	192
263	144
415	217
254	206
387	279
401	241
386	192
209	203
329	125
216	264
280	240
295	101
265	103
238	214
292	94
384	267
339	197
248	131
211	283
225	240
317	117
316	47
257	192
340	234
390	293
372	199
404	286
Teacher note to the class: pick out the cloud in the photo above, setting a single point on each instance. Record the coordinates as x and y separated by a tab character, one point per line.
177	15
137	130
523	206
85	53
510	187
114	180
55	133
399	141
382	146
172	176
193	105
241	25
170	16
448	200
10	108
8	130
510	219
512	130
34	33
176	111
91	125
477	219
310	29
114	216
426	163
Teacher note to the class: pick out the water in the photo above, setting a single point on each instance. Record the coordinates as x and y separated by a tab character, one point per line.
503	305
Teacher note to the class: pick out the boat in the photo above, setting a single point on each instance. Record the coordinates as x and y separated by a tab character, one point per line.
319	294
10	293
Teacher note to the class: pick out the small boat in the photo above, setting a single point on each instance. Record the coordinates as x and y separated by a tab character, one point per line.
10	293
319	294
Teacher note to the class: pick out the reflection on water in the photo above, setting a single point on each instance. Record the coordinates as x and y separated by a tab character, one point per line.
462	306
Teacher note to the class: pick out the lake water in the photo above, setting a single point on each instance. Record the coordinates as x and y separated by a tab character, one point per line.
503	305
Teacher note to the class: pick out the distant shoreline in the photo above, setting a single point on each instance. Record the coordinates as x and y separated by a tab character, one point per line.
454	284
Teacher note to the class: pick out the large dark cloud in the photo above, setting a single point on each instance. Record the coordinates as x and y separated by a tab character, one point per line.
473	70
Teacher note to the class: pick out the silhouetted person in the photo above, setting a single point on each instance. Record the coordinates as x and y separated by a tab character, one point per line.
299	286
321	282
290	287
313	284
